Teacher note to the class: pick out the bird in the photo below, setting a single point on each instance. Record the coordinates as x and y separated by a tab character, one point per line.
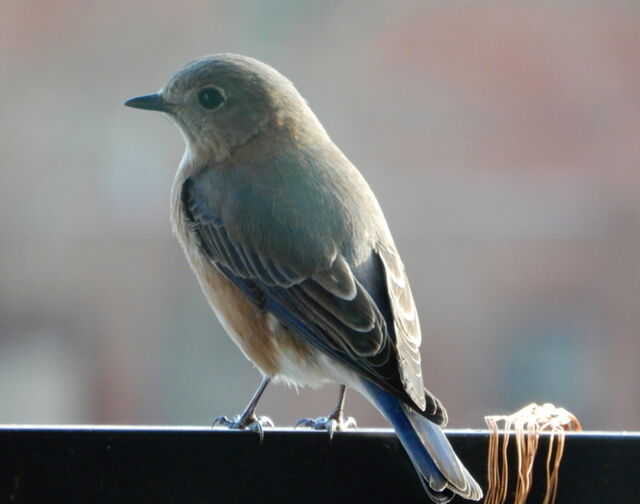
294	255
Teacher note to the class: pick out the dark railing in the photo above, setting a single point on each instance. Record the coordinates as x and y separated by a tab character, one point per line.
95	465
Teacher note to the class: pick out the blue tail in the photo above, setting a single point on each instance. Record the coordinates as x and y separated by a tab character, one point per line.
442	473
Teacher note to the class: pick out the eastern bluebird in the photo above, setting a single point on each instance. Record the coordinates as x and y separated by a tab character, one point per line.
294	254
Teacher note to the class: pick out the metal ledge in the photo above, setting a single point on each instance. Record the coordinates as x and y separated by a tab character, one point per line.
197	465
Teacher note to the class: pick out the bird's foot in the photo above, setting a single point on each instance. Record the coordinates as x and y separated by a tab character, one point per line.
245	422
332	423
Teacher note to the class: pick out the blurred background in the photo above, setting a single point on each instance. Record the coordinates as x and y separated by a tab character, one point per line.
502	140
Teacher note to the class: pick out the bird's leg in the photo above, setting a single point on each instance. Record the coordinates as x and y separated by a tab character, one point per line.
248	419
334	422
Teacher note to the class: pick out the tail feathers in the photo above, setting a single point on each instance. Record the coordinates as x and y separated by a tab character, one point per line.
439	449
442	473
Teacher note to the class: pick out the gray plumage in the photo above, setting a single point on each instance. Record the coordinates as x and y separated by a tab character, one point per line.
278	225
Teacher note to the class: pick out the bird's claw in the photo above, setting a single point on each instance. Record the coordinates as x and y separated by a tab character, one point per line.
331	424
251	423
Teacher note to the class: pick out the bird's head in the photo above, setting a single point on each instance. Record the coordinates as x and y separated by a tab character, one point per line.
221	102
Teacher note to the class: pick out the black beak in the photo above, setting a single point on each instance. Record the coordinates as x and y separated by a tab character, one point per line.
153	101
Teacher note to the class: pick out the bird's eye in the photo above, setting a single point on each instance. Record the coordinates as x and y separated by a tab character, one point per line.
210	98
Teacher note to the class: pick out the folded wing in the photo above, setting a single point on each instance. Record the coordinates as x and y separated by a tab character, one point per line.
365	318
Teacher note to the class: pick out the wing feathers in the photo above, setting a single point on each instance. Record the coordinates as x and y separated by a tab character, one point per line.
406	325
376	337
338	279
